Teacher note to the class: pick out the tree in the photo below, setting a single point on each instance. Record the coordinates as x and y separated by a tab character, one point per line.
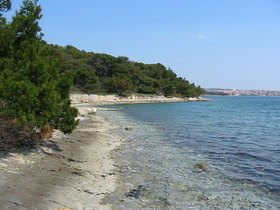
120	85
5	5
86	79
93	72
31	89
169	89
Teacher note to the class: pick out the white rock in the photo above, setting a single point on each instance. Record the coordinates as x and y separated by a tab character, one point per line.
128	128
83	112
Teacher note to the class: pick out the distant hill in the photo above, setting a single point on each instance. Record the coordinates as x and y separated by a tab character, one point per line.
102	73
233	92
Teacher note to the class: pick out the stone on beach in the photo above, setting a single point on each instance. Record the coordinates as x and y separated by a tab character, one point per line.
83	112
128	128
115	99
201	166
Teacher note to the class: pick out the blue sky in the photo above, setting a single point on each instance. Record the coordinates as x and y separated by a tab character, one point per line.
214	43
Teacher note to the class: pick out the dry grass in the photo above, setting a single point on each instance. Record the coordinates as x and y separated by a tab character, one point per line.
47	132
13	135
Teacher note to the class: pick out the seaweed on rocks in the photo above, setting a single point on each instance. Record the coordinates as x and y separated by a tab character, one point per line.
136	192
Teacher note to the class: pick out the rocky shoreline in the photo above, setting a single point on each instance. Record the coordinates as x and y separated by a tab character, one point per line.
71	171
133	99
68	171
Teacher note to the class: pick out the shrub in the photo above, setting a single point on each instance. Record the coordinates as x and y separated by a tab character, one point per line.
33	92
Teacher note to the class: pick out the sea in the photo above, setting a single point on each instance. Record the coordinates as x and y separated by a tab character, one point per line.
218	154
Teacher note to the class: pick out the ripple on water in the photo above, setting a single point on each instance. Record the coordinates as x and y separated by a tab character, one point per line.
161	157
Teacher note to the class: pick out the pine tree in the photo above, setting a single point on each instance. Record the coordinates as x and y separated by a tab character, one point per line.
31	89
5	5
120	85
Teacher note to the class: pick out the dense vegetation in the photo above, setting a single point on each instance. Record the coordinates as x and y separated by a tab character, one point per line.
33	91
36	78
215	93
102	73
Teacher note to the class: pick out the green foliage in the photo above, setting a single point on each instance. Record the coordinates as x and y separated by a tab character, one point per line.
146	89
85	79
216	93
35	78
120	85
5	5
32	89
101	73
169	89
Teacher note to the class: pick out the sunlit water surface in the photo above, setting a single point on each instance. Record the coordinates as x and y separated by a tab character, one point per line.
238	138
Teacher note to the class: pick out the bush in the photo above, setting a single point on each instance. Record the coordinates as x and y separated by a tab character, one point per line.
13	135
33	92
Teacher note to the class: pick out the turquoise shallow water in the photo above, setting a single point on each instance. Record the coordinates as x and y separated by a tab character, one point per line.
237	137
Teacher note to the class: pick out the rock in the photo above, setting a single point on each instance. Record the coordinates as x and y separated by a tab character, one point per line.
201	166
109	109
91	111
136	193
128	128
87	111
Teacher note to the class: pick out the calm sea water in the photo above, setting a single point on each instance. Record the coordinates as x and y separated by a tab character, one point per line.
237	137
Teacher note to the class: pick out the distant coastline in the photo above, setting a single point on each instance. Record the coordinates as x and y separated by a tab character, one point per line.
236	92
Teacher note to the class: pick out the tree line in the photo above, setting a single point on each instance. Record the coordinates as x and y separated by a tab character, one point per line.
36	78
102	73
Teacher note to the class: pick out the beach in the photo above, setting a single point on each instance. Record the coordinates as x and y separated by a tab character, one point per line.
71	171
140	157
191	156
95	99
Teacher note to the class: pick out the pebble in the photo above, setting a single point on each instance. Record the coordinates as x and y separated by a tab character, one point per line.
128	128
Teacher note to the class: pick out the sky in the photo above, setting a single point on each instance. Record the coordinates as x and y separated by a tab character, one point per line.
213	43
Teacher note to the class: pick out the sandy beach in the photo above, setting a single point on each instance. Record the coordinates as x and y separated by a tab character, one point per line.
93	168
73	171
68	171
